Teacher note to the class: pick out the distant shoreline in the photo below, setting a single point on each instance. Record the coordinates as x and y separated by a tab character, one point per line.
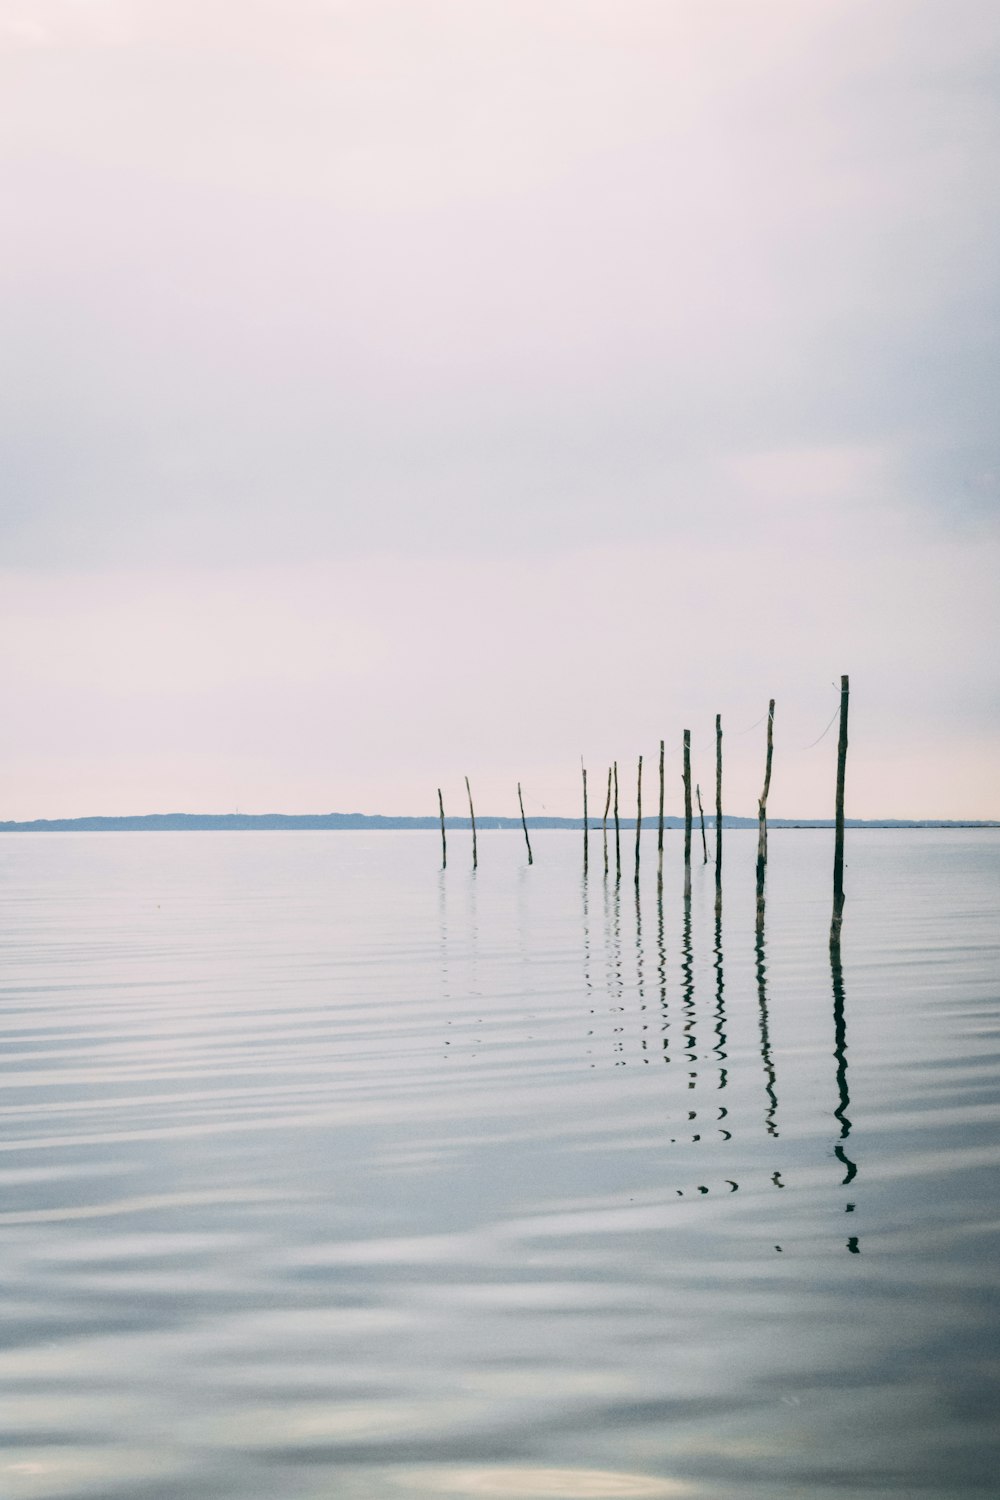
339	822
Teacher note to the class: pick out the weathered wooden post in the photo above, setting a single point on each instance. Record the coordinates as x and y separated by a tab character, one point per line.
762	819
638	819
444	841
472	815
586	824
618	844
701	815
604	823
718	809
838	843
687	812
520	801
659	826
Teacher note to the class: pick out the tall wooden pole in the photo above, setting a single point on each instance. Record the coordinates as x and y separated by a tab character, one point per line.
701	815
687	811
638	819
762	818
838	845
444	841
472	815
618	844
520	802
718	807
659	826
604	823
586	824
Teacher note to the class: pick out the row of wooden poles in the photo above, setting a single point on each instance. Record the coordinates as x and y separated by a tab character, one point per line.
611	809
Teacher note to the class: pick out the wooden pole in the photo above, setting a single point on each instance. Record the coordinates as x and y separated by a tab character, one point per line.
524	825
444	841
586	824
701	815
604	824
762	818
618	845
687	811
838	845
718	806
472	815
659	826
638	819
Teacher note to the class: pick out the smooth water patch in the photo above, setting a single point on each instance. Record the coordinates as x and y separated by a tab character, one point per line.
326	1172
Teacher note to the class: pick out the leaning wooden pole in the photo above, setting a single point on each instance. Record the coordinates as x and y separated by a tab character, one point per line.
718	807
444	841
604	823
659	825
687	812
638	819
524	825
618	842
586	823
701	815
838	844
472	815
762	818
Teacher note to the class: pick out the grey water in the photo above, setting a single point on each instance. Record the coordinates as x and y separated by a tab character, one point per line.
326	1173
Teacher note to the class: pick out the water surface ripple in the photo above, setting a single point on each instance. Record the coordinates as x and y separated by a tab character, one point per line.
329	1174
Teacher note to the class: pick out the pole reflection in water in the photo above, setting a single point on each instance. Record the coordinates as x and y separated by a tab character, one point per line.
687	991
843	1093
616	984
765	1039
661	973
640	976
720	1005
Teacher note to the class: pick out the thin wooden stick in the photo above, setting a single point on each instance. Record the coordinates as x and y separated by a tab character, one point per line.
638	819
687	811
762	819
604	825
701	814
472	815
444	841
524	825
718	806
838	845
618	845
586	824
659	826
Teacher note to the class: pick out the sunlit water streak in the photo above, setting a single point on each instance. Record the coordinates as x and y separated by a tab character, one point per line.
328	1173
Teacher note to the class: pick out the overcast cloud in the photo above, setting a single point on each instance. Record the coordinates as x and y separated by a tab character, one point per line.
395	390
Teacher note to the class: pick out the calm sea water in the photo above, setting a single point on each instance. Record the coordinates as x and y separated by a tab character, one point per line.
327	1175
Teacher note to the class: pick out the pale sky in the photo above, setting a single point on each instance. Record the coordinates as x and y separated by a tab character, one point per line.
398	389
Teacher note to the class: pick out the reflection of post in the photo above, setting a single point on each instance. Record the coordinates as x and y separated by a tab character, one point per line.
762	819
687	990
840	1053
444	841
765	1040
472	817
661	972
640	975
838	850
618	842
720	1008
